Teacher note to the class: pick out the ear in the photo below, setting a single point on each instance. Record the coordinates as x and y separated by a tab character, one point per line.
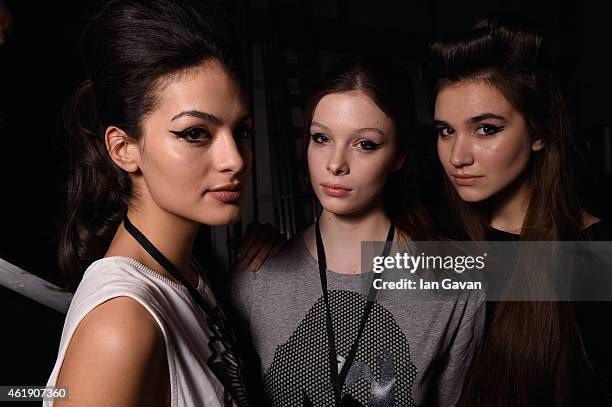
122	149
400	159
537	145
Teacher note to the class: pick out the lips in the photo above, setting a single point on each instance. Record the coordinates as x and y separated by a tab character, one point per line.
465	179
226	193
336	190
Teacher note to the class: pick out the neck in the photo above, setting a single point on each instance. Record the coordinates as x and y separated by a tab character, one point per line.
510	208
342	237
341	229
172	235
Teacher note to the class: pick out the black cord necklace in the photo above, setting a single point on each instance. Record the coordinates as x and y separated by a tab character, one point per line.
229	374
338	378
168	266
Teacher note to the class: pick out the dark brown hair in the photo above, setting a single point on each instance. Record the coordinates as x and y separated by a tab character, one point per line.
533	350
128	48
389	87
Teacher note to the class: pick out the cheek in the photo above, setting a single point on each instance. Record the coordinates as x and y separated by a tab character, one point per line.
379	167
444	152
316	162
504	160
370	170
175	173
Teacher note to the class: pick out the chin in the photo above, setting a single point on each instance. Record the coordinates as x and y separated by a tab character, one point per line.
472	196
337	208
337	212
221	216
343	208
220	220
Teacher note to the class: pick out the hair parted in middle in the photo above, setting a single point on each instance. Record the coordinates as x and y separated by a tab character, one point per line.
389	86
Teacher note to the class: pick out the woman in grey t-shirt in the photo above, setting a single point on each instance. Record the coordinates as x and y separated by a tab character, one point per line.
321	336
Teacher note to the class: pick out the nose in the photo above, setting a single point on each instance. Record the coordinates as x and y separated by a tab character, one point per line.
461	153
228	157
337	163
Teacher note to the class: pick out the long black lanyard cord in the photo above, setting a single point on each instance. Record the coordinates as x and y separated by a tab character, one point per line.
213	317
169	267
338	379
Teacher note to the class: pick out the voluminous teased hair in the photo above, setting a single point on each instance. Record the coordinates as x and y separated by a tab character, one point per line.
129	48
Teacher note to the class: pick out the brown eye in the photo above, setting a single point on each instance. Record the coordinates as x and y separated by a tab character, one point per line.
488	129
445	131
369	145
319	138
193	135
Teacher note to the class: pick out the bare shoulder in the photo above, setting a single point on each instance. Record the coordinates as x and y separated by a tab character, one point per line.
116	357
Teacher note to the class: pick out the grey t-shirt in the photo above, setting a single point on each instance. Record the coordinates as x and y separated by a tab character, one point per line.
412	352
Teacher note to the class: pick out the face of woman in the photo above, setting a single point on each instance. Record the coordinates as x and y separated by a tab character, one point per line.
483	141
196	146
351	151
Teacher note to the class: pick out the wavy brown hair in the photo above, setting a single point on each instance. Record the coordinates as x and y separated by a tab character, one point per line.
533	352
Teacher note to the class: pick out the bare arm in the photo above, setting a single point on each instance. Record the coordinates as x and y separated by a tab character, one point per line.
116	357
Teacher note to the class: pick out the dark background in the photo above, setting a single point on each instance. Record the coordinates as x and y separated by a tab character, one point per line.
287	46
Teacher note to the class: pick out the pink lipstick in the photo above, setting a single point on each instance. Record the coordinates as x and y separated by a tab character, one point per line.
336	190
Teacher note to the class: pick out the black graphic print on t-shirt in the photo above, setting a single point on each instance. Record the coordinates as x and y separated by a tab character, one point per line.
382	374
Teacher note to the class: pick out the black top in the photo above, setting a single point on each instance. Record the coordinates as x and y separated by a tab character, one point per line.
594	318
601	230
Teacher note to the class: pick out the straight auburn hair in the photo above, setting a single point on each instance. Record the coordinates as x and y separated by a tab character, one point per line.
389	87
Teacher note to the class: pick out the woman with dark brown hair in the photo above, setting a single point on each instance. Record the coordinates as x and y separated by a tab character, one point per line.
504	142
161	140
323	340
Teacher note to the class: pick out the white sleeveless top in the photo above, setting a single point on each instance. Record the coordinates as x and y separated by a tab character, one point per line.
186	330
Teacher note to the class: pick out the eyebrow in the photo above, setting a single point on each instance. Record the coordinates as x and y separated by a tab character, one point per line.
486	116
440	122
475	119
374	129
209	117
313	123
200	115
